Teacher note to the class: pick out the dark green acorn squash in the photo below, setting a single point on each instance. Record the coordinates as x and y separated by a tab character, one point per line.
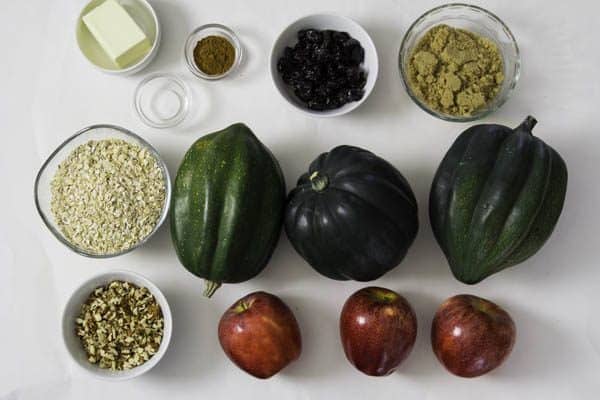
227	207
352	215
495	199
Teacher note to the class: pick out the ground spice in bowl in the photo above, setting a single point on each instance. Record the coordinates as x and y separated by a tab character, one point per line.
214	55
454	71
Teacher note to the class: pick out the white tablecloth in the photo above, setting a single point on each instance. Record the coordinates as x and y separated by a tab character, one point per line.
49	91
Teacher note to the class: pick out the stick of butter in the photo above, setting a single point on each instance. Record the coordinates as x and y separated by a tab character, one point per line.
118	34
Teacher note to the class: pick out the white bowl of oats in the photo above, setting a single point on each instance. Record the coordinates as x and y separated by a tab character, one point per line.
117	325
103	192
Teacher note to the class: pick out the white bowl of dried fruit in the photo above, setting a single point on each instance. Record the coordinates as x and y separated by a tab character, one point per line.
117	325
324	65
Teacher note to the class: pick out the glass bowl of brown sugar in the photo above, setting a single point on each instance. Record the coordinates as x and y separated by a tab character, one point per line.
213	51
459	62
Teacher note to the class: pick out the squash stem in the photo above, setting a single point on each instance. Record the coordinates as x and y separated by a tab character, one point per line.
211	288
528	124
319	182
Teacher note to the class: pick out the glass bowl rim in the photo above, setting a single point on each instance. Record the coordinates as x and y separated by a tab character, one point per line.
144	143
181	114
487	111
233	39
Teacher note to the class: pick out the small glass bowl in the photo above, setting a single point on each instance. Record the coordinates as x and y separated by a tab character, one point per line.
43	194
212	30
162	100
474	19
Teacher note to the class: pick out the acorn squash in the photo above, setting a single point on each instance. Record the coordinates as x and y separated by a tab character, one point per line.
495	199
352	215
227	207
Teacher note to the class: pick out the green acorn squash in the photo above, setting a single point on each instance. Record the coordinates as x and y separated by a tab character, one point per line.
495	199
227	207
352	215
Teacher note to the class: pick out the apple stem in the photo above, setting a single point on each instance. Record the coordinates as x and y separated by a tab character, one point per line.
241	307
382	295
211	288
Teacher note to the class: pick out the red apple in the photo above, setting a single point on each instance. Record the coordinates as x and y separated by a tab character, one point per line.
378	328
260	334
471	336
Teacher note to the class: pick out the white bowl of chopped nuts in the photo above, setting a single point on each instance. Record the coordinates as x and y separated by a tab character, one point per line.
117	325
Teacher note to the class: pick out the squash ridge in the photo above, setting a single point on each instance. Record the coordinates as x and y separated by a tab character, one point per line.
504	186
499	265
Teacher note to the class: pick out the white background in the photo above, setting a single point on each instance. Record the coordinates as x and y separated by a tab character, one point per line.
48	91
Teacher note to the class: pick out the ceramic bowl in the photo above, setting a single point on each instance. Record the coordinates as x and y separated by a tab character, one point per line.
73	308
324	21
143	14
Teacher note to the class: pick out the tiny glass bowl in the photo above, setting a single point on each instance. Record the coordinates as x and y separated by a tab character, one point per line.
211	30
42	189
162	100
73	309
474	19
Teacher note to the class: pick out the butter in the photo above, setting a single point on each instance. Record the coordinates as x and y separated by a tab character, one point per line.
117	33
